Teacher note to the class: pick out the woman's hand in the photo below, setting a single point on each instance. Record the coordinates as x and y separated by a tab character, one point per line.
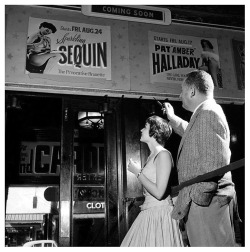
133	167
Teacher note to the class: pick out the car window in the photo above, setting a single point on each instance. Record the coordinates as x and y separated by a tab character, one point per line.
37	245
47	244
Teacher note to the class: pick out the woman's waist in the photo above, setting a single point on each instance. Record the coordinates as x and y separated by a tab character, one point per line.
151	201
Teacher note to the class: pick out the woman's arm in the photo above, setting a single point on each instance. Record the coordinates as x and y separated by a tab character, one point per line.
39	44
163	168
32	38
204	65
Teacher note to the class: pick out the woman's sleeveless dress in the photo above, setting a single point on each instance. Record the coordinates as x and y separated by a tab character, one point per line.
154	226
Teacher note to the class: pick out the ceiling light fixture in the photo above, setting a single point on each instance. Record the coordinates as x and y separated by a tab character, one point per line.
91	120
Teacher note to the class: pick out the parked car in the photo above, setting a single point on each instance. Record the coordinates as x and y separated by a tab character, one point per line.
41	243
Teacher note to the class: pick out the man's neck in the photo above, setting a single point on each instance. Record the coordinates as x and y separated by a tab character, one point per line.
202	101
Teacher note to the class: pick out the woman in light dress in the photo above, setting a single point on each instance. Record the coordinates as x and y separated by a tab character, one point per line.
154	226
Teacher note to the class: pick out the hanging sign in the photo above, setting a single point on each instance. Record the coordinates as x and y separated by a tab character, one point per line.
146	14
172	56
43	159
89	199
68	49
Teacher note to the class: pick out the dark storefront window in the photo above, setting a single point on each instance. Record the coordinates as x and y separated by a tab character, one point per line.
32	165
33	170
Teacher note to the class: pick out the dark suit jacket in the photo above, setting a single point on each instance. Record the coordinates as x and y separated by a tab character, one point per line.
204	147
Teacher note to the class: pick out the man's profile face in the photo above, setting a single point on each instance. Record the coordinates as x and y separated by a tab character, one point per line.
185	96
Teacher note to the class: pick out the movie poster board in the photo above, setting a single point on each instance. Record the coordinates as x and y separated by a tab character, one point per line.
68	49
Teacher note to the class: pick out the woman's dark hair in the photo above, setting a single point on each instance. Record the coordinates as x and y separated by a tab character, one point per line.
159	129
205	41
48	25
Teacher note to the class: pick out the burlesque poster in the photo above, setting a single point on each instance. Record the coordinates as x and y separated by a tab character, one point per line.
68	49
173	56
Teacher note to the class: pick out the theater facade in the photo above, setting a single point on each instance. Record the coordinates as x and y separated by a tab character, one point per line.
76	98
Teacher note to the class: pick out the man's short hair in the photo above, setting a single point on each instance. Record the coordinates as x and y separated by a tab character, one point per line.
201	80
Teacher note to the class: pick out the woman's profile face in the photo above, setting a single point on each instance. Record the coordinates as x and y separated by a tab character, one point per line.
145	133
205	46
45	30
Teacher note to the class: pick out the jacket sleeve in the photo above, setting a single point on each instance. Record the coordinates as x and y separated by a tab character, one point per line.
179	125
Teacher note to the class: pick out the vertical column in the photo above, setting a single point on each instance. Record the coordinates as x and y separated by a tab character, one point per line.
132	188
111	190
67	164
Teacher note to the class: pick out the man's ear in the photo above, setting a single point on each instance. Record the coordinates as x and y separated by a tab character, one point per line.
192	91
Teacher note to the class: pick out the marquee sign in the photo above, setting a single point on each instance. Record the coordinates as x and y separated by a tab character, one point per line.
137	13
